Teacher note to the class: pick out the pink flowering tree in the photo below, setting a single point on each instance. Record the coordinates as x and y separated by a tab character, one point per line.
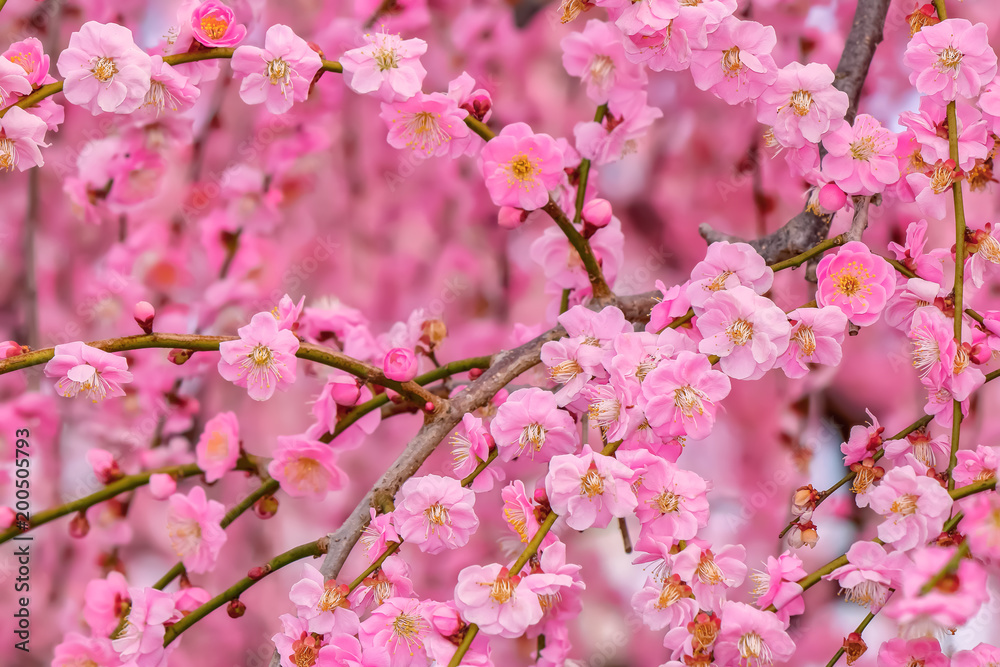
653	332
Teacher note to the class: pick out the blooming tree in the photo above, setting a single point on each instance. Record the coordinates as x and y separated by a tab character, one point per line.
383	273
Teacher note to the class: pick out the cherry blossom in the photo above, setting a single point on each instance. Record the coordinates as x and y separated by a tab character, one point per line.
856	281
747	331
305	467
194	530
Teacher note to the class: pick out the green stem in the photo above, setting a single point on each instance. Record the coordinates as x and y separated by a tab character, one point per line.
949	567
598	287
804	257
956	190
860	629
584	171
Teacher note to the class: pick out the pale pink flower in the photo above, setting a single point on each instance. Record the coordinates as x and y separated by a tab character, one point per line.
915	508
589	489
613	409
640	16
322	603
727	265
169	89
430	124
162	485
188	599
390	580
950	603
500	603
30	55
931	333
561	262
597	56
447	623
711	572
104	602
899	652
470	446
736	64
860	158
280	73
869	574
287	312
193	526
984	253
435	513
932	452
928	123
746	330
218	447
672	501
817	334
619	133
520	167
951	59
925	265
400	626
665	602
305	467
778	585
983	655
214	24
802	105
530	423
682	395
599	328
856	281
81	368
751	637
78	650
915	295
140	642
982	525
262	360
104	464
568	360
104	70
387	64
979	465
378	534
675	303
13	82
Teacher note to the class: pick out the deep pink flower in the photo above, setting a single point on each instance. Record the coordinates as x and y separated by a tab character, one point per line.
817	334
915	508
982	655
435	513
400	364
665	602
711	572
13	82
30	55
951	59
104	602
627	121
597	56
377	534
214	24
682	395
81	368
521	515
902	653
802	105
262	360
856	281
280	73
502	604
778	585
218	447
305	467
727	265
470	446
429	124
672	502
736	64
930	123
860	158
387	64
748	636
288	312
141	640
193	526
675	303
746	330
104	70
520	167
869	574
323	603
863	441
589	489
530	423
907	300
162	485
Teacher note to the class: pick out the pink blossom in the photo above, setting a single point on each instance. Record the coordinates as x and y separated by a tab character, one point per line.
400	364
287	312
817	334
863	442
951	602
104	70
323	603
530	423
30	55
869	574
736	64
930	123
194	530
377	534
984	253
977	465
982	525
387	64
162	485
214	24
500	603
904	304
520	167
218	447
597	56
561	262
915	508
521	515
430	124
711	572
435	513
682	395
727	265
78	650
280	73
595	327
81	368
568	360
672	502
446	621
589	489
665	602
168	89
305	467
262	360
104	601
675	303
105	465
752	637
620	131
141	640
470	446
980	656
778	585
613	409
390	580
951	59
902	653
802	105
860	157
931	452
746	330
13	82
856	281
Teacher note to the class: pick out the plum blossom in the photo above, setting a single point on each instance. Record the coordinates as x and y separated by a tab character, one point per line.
141	640
521	515
778	585
168	89
899	652
84	369
589	489
387	64
214	24
262	360
863	441
103	69
323	603
665	602
983	253
13	81
727	265
400	364
682	395
30	55
193	526
501	603
305	467
278	74
711	572
751	637
856	281
596	55
746	330
435	513
976	465
218	447
104	601
736	64
430	124
915	508
860	158
869	574
402	627
672	502
627	120
802	105
471	446
982	525
930	123
520	167
931	452
817	334
77	650
530	423
951	59
980	656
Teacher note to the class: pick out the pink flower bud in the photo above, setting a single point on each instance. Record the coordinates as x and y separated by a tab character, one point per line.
400	364
79	526
144	314
597	212
428	407
6	518
832	198
266	507
235	608
475	373
105	467
511	218
9	348
479	105
345	390
259	572
162	485
979	353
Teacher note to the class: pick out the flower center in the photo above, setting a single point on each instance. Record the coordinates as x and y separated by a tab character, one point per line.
709	571
408	628
591	484
740	332
217	446
761	583
989	248
905	504
601	69
689	400
386	59
863	148
185	536
801	102
926	352
305	473
104	69
332	598
533	434
942	179
426	131
985	475
961	360
521	168
805	338
731	64
645	366
867	594
214	27
672	591
305	655
277	72
719	283
518	520
565	371
667	502
863	479
852	280
752	646
8	158
437	515
950	58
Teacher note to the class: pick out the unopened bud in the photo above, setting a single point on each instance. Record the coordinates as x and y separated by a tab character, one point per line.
266	507
831	198
597	212
144	314
162	485
9	348
428	407
79	526
259	572
511	218
178	356
921	18
236	608
475	373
